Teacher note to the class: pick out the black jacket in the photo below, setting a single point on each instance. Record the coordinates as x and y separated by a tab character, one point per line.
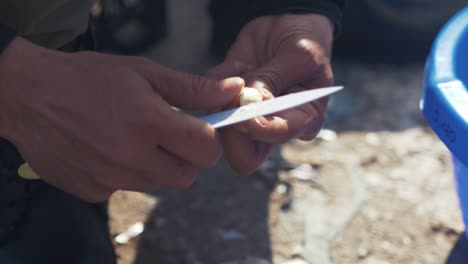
230	15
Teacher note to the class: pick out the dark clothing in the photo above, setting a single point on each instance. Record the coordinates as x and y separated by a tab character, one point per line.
242	11
230	16
55	228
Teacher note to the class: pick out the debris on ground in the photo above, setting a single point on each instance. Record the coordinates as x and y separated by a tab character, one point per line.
132	232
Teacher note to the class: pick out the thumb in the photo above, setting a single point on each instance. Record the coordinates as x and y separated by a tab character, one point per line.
193	91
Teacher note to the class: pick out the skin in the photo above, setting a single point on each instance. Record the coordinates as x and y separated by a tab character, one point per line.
279	55
91	124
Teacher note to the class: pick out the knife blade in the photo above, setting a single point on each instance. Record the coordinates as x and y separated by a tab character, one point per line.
281	103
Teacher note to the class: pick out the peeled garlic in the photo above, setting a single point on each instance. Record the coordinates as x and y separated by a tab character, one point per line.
249	96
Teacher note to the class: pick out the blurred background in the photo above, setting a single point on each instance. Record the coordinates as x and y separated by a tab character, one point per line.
375	187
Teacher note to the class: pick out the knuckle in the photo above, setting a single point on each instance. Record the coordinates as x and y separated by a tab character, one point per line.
272	80
293	35
197	84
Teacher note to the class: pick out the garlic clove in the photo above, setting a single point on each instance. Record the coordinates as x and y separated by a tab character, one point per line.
250	95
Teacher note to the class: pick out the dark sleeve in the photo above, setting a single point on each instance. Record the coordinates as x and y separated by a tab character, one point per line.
230	16
6	36
330	8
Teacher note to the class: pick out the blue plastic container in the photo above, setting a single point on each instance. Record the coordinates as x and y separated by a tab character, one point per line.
445	99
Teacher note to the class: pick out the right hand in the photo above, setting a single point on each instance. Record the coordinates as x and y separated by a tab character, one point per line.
91	124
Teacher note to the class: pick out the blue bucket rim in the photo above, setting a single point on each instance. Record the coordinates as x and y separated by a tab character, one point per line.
445	100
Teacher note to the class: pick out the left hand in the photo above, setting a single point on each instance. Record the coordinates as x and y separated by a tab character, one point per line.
278	55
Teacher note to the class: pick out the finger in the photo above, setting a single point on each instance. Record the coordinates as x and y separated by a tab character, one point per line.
244	154
168	170
228	69
179	89
288	69
190	138
191	91
155	168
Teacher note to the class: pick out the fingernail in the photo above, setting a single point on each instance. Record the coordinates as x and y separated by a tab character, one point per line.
258	85
229	83
266	93
259	122
237	80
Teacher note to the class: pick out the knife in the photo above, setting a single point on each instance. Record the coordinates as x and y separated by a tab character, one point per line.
281	103
239	114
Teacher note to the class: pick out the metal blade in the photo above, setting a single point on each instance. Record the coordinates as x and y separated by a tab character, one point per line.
246	112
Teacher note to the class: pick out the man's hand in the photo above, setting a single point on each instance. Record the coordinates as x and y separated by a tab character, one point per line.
278	55
91	124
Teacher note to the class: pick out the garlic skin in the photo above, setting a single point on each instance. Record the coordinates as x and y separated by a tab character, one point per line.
250	95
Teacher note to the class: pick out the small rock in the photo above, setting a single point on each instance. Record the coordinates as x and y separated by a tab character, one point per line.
374	180
373	139
369	160
407	240
296	261
281	188
371	214
303	172
389	247
132	232
327	135
362	253
297	251
438	226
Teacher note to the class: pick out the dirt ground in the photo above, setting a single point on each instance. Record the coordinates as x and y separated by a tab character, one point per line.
376	187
